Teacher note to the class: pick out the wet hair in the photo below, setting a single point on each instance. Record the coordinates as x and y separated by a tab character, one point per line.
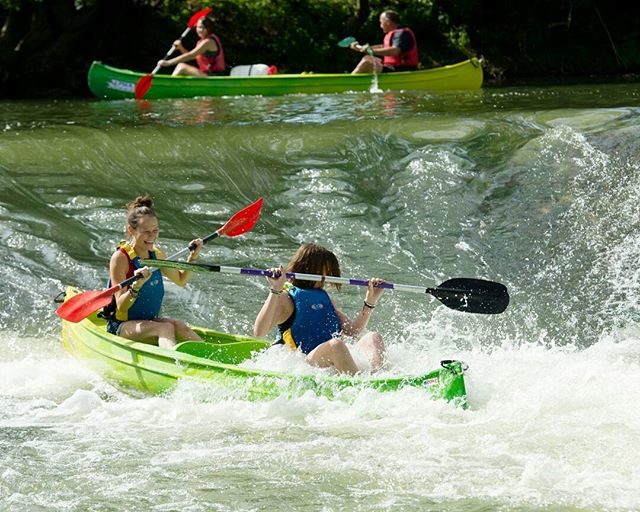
139	207
208	24
392	16
313	259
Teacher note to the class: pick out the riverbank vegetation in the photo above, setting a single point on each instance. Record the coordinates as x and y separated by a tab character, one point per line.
46	46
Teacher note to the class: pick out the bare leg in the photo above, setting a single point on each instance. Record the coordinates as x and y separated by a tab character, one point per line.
372	345
183	331
183	69
367	65
142	330
333	353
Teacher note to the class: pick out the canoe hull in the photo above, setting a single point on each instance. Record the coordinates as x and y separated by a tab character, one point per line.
107	82
150	369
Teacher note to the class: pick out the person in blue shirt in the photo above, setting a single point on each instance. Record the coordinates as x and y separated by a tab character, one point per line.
134	313
309	321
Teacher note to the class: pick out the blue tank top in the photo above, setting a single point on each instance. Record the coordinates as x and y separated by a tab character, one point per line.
149	301
313	321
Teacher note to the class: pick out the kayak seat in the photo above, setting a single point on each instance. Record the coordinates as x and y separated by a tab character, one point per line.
226	353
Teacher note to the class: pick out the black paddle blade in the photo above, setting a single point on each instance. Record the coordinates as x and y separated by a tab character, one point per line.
472	295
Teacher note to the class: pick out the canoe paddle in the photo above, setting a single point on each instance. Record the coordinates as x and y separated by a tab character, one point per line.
82	305
461	294
346	43
144	84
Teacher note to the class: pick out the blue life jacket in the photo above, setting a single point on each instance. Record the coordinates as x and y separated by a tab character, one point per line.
147	304
313	321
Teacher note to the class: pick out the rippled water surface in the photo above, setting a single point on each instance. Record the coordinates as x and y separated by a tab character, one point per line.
537	188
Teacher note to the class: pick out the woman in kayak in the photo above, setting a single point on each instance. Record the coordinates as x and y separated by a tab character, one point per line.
133	313
208	53
308	319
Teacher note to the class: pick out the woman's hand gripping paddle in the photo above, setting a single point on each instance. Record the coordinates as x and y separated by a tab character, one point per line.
82	305
462	294
144	84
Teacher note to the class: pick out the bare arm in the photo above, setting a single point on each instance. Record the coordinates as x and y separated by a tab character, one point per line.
381	51
353	327
205	46
181	277
118	268
378	49
277	308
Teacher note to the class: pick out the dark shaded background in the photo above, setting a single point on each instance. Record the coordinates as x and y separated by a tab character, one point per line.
46	46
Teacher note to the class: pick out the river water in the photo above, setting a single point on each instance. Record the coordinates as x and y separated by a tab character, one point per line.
537	188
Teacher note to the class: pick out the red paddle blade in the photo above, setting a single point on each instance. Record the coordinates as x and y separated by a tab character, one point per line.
82	305
194	19
142	86
242	221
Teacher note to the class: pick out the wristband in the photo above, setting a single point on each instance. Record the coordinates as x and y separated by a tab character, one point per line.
367	305
276	292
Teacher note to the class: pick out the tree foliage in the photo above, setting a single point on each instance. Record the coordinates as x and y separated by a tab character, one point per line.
49	44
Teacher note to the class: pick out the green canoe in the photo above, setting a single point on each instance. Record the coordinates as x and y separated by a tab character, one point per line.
143	367
111	83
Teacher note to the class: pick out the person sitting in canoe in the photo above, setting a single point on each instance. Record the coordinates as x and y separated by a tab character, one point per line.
208	53
309	321
133	313
398	52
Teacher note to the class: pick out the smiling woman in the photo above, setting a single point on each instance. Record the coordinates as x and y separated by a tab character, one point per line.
208	53
134	310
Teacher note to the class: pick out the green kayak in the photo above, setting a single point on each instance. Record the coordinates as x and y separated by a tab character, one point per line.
219	361
112	83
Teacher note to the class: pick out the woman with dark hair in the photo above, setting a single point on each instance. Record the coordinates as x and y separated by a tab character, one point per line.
207	53
309	321
134	311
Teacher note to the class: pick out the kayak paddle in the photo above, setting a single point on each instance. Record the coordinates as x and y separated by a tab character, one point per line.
82	305
143	85
461	294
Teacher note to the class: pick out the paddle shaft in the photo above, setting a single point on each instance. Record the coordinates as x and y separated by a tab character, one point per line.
238	223
462	294
170	52
326	279
303	277
179	254
82	305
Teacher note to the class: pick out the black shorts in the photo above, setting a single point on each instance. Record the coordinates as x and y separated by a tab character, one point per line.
114	326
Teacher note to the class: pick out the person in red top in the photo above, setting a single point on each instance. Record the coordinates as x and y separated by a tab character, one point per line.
208	53
398	52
